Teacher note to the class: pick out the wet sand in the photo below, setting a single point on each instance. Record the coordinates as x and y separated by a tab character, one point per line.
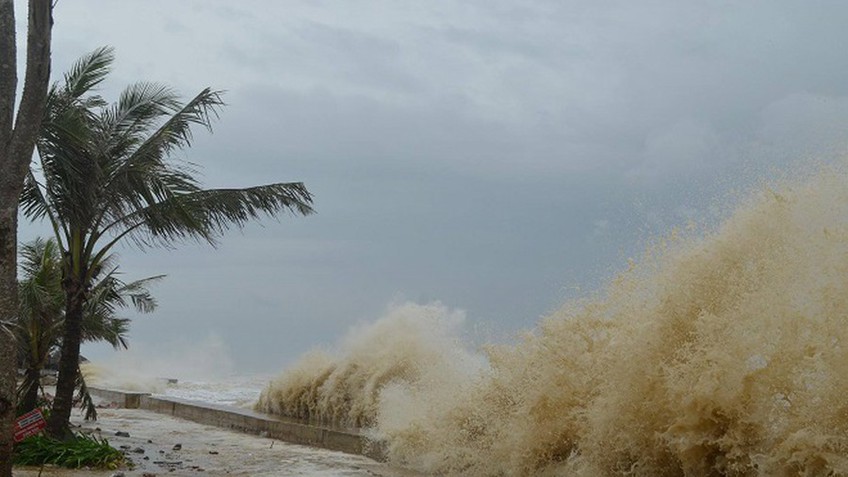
205	450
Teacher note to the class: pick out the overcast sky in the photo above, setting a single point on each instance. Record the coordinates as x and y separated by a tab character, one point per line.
497	156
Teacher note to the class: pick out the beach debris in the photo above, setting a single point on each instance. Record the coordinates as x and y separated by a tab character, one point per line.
122	434
177	447
213	452
148	474
139	450
118	474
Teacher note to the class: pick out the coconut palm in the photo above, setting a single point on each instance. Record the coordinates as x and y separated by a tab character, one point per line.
40	321
109	174
38	325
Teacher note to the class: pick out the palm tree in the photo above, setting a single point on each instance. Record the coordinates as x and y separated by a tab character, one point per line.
108	174
42	314
41	302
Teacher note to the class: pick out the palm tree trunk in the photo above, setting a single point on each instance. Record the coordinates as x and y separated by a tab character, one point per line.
60	414
8	348
29	401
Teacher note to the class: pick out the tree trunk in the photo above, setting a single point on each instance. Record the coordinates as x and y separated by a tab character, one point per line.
8	348
17	140
63	403
8	237
30	397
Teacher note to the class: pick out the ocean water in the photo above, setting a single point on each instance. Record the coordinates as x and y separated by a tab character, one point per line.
720	351
231	389
234	390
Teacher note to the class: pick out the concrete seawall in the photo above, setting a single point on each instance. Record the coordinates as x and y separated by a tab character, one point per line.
294	431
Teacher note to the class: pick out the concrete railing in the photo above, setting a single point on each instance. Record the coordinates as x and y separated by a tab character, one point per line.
125	399
294	431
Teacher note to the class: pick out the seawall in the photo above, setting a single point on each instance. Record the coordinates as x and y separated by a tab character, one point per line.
294	431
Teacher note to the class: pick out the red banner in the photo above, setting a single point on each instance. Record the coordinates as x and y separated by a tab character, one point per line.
29	424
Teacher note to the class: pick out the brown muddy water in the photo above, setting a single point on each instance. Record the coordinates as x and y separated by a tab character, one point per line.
722	352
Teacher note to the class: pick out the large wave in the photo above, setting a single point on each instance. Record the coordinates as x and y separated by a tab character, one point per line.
722	353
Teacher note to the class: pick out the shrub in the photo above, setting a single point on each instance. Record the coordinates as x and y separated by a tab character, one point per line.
80	451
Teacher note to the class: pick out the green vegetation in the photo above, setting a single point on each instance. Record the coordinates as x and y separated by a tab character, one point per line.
109	173
39	324
79	451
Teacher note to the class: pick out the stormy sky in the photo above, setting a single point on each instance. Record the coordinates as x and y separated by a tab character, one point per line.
498	156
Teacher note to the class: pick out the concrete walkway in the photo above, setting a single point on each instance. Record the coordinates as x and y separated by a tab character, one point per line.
293	431
212	451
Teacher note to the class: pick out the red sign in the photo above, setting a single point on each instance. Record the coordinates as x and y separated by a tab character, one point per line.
29	424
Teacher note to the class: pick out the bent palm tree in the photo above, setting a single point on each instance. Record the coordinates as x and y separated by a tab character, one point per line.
41	318
108	174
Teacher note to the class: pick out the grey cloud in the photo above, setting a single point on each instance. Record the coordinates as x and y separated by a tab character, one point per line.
496	155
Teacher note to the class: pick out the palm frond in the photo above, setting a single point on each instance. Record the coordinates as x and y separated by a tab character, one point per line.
32	202
141	170
206	214
106	297
40	289
84	398
71	177
89	71
140	107
104	327
140	297
35	205
175	133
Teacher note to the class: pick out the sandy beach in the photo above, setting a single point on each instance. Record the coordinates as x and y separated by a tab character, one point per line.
163	445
